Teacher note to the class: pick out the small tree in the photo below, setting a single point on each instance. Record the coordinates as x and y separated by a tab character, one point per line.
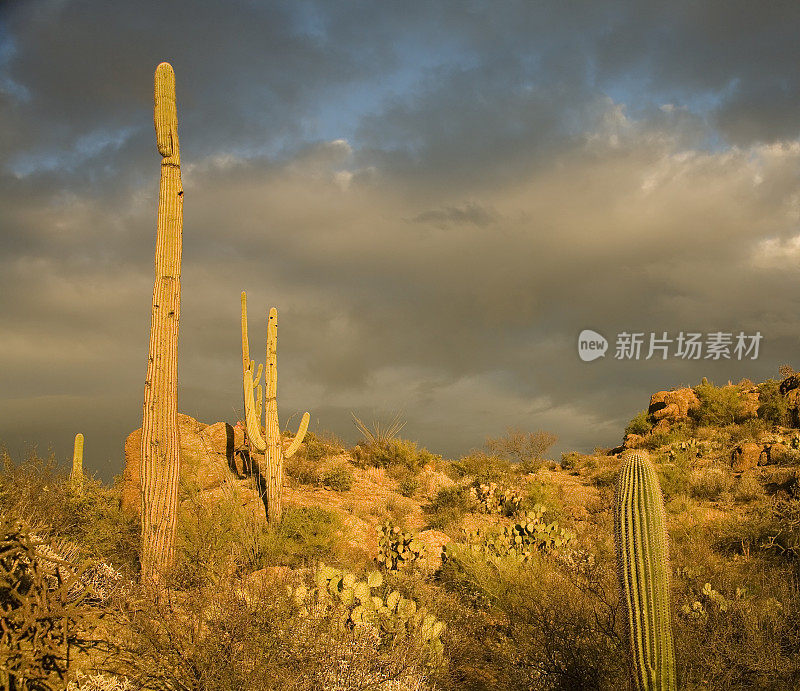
526	448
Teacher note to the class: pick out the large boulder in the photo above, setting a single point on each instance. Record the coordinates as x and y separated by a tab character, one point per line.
746	456
672	406
209	455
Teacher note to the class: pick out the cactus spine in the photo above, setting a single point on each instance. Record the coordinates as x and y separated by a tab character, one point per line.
271	445
76	476
644	573
160	442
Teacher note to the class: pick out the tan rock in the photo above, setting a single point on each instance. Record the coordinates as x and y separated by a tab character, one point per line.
632	441
204	459
746	456
433	540
672	405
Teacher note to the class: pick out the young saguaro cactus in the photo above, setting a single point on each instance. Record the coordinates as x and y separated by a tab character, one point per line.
644	573
160	441
271	445
76	476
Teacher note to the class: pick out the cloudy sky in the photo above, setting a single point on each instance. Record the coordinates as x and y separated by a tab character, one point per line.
438	197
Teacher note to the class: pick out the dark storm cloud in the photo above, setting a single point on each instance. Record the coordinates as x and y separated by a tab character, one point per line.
437	196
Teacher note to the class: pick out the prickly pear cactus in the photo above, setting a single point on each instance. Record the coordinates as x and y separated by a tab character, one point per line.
644	573
493	499
522	540
370	602
397	549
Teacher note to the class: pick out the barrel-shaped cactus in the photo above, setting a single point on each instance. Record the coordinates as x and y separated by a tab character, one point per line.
76	476
270	445
160	442
644	573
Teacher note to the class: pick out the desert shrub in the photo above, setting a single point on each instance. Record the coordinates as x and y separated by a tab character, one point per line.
447	509
719	405
746	431
559	626
483	467
658	438
303	470
305	535
709	483
339	477
640	424
785	457
772	406
771	529
525	448
490	498
674	478
39	489
316	448
729	637
392	452
748	488
258	637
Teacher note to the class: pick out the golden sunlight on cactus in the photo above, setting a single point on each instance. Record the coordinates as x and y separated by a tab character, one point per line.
160	461
270	445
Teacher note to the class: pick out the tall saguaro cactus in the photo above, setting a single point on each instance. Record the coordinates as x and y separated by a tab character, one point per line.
644	573
271	445
76	476
160	442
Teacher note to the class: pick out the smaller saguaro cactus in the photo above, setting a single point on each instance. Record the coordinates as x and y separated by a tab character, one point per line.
644	573
271	444
76	476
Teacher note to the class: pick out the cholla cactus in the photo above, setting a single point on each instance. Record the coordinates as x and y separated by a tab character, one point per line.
271	445
397	549
644	572
160	444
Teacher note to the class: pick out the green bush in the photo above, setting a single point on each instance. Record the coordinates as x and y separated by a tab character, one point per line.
305	535
339	478
720	406
483	467
383	454
772	406
710	483
640	424
447	509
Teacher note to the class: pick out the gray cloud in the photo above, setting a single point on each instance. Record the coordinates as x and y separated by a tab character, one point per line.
437	198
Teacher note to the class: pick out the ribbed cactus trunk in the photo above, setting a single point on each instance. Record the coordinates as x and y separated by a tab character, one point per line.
274	454
76	476
160	441
644	573
270	445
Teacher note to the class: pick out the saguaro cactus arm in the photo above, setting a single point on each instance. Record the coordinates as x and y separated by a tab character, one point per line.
644	573
298	438
252	410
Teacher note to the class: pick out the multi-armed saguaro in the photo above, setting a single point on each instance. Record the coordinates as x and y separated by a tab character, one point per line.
271	446
644	573
76	476
160	442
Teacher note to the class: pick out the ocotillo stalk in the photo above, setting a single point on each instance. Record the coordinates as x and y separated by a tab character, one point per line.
644	573
160	441
76	476
271	445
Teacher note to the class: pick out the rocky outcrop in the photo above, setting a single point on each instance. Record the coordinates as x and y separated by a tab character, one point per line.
209	455
672	406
